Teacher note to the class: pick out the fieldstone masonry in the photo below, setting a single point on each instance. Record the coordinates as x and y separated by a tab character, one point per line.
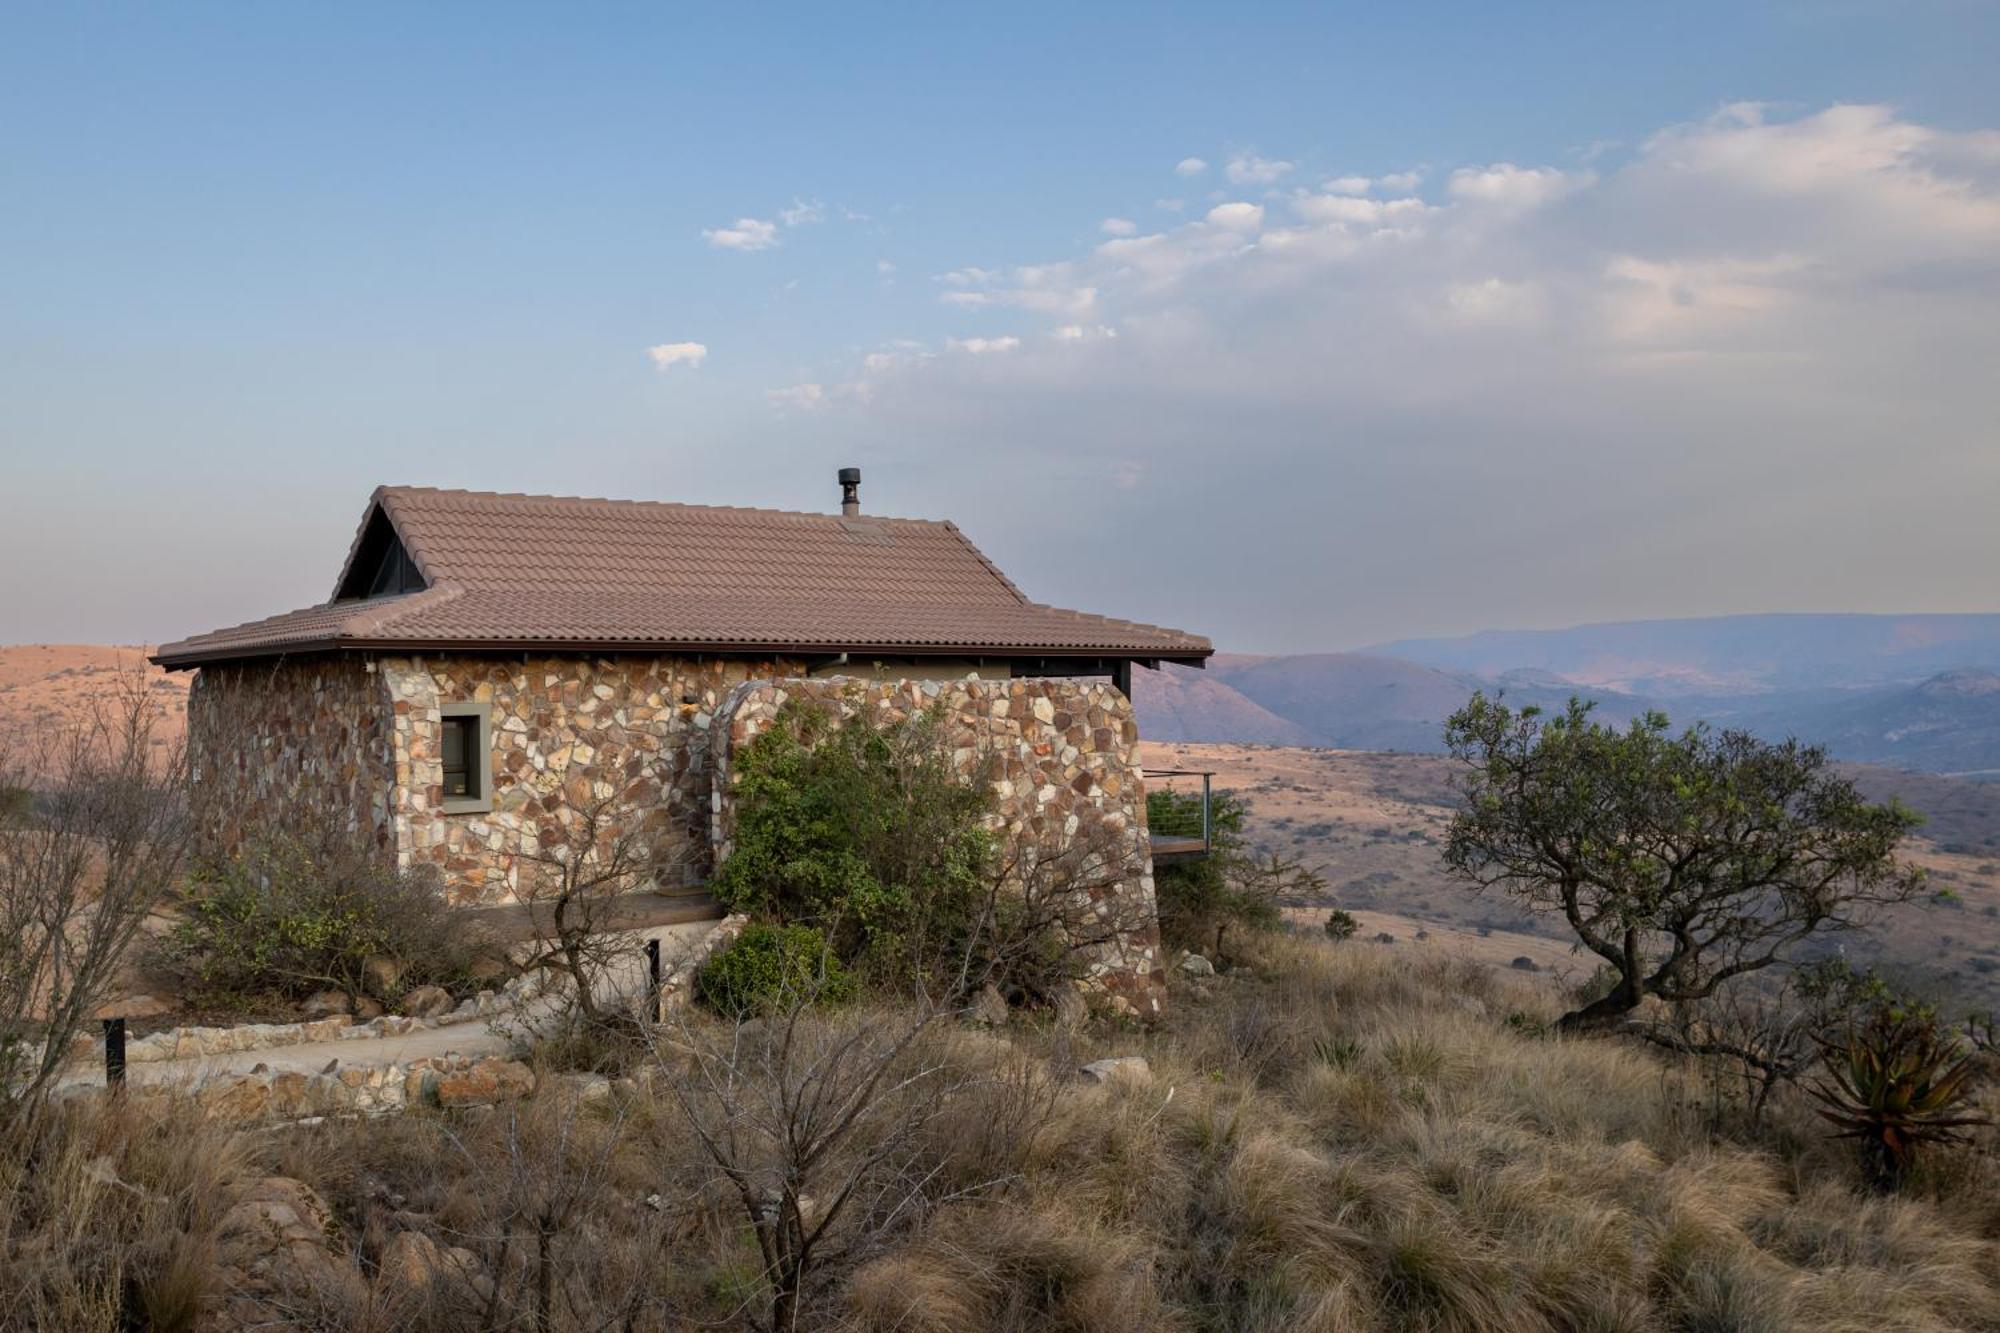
352	744
1062	757
568	734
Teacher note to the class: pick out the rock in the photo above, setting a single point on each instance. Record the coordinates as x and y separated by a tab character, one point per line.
382	975
326	1003
412	1264
133	1006
1131	1068
988	1008
279	1244
243	1097
488	968
484	1083
291	1094
1072	1010
1194	965
427	1002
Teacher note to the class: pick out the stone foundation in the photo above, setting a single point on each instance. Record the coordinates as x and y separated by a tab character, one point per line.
1061	756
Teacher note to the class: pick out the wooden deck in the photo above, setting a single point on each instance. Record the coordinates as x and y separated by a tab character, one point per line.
1168	849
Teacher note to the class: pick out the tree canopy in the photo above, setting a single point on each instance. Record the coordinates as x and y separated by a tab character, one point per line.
1680	860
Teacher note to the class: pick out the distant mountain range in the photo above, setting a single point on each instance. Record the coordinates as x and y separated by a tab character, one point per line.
1725	655
1915	692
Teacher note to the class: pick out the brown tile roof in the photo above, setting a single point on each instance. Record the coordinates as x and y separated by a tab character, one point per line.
527	571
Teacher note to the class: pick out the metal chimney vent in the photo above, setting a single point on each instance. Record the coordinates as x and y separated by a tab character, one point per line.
850	492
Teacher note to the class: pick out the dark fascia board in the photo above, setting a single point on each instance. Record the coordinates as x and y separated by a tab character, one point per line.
676	648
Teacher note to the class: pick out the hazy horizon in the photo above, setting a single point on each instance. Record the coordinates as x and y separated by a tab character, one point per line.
1307	330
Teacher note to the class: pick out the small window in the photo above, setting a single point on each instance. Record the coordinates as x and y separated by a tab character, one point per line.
464	753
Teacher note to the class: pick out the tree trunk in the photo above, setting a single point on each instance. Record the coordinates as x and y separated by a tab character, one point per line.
1621	1000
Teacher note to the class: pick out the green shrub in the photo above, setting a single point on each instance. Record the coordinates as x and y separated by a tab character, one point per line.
866	833
1202	899
287	919
767	966
1341	925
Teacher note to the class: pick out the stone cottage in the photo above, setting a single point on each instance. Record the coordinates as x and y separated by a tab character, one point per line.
491	665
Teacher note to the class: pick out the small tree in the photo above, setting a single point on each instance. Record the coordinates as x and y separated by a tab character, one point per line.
82	865
588	858
1681	861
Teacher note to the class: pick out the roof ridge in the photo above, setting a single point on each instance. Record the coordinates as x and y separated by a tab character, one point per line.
421	492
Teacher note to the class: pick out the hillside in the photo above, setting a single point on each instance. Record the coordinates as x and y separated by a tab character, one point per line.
1948	723
1374	824
53	684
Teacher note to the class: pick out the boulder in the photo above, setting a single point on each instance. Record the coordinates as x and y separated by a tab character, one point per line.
1128	1068
413	1265
426	1002
278	1249
988	1008
484	1083
382	975
242	1097
1194	965
326	1003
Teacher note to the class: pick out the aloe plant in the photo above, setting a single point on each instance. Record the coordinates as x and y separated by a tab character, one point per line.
1896	1082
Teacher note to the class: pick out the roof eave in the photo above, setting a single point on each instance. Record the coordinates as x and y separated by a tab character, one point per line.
1189	655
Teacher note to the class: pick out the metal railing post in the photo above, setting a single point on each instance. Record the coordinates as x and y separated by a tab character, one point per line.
1206	830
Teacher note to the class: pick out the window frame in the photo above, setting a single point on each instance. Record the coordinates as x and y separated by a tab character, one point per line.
479	764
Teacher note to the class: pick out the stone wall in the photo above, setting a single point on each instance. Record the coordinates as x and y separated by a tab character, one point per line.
569	734
297	746
1062	758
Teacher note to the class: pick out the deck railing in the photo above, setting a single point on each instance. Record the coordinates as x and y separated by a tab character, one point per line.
1182	827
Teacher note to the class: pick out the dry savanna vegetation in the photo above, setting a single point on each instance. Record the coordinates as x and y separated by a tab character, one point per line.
1325	1137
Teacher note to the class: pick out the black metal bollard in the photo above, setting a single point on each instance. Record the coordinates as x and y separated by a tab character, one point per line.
114	1052
653	977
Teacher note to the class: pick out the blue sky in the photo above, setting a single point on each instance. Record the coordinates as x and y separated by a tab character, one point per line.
1472	314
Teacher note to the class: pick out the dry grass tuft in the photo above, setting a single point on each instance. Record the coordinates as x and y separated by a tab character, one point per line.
1333	1140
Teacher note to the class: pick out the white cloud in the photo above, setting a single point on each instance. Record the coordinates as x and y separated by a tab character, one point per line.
1661	386
1170	205
1347	209
884	267
1190	166
1118	226
1494	303
1348	185
984	346
743	234
1507	186
802	213
1400	182
668	355
800	397
1253	170
1237	216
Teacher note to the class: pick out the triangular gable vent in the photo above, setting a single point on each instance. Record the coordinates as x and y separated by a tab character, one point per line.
381	566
